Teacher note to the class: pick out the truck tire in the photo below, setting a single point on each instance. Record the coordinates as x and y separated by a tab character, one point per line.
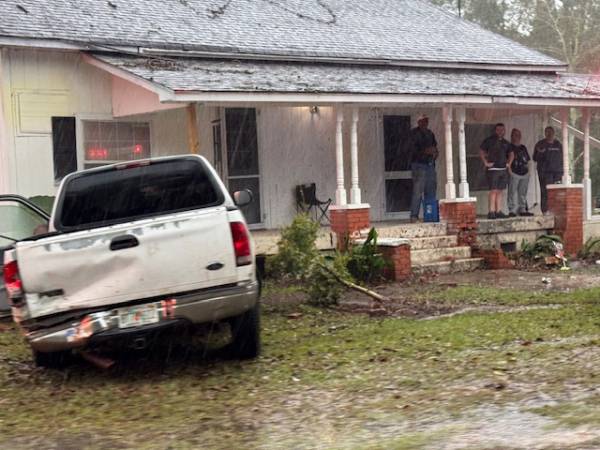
52	360
245	331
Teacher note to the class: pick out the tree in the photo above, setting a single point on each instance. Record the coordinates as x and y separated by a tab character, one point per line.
564	29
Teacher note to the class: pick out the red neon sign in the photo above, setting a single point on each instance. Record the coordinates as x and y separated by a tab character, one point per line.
97	153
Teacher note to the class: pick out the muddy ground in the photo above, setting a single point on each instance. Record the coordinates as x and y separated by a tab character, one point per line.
482	360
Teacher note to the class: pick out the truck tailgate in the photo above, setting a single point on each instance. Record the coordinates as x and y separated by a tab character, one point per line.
177	253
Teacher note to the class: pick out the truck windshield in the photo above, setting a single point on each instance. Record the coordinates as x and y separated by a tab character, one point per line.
120	195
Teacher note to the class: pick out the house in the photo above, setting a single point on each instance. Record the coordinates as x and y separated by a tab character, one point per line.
281	93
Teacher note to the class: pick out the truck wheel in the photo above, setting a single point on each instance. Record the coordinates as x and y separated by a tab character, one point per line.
245	330
53	360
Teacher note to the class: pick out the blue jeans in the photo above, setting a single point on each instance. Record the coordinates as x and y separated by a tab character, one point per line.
424	186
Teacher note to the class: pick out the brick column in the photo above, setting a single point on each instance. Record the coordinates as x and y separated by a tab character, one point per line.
566	204
461	216
348	221
396	252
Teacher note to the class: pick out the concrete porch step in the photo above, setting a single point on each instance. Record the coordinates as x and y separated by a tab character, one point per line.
419	257
433	242
410	230
458	265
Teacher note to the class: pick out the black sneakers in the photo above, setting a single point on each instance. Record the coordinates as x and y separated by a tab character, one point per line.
512	214
491	215
526	214
501	215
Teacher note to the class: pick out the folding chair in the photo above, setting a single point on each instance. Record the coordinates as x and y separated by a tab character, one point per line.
308	203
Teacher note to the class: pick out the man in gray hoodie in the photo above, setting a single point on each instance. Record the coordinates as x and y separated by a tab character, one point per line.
548	154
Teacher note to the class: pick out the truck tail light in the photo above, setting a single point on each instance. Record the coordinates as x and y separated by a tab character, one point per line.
241	243
12	281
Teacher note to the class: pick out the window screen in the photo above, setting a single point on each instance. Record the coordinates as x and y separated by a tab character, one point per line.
107	142
122	195
64	146
397	146
242	141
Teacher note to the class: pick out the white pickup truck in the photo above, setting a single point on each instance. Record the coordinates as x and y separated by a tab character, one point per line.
132	249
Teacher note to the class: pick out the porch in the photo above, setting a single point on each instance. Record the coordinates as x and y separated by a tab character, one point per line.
348	136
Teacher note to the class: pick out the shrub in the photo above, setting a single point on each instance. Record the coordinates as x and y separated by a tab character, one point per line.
364	261
591	249
296	249
543	246
319	276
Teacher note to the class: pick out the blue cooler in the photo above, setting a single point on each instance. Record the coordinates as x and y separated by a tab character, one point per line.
431	210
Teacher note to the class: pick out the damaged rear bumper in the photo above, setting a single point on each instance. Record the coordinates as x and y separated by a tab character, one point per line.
196	308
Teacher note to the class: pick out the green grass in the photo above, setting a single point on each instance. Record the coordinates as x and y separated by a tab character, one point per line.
479	295
322	376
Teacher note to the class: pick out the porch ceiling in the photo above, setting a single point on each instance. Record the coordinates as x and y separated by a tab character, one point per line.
194	79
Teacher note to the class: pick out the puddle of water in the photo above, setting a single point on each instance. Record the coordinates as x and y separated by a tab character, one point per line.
492	309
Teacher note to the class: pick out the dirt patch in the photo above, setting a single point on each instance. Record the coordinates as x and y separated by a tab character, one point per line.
444	295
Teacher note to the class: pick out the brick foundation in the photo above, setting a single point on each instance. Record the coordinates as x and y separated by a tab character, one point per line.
397	255
348	221
566	204
494	258
461	216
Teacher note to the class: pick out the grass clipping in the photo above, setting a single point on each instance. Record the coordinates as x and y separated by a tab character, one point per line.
298	258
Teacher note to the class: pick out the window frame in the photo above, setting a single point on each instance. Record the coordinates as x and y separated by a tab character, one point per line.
57	180
80	135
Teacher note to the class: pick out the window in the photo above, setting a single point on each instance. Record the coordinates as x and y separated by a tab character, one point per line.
135	192
107	142
64	146
18	221
475	133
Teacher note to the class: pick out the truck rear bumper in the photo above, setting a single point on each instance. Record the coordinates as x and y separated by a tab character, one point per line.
196	308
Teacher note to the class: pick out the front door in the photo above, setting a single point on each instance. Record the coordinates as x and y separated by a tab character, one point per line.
397	173
242	158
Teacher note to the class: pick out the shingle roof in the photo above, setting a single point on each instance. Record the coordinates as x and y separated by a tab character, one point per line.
398	30
185	74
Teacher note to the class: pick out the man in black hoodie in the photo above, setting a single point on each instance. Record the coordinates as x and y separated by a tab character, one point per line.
548	155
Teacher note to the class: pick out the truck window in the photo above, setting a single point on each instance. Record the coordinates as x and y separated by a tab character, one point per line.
121	195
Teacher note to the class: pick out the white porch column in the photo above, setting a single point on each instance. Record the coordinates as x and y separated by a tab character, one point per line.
463	187
340	192
450	186
587	182
355	189
564	118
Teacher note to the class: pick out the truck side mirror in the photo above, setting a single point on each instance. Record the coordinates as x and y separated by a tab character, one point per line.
243	198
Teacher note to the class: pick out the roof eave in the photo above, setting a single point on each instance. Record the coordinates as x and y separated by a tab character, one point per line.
57	44
303	98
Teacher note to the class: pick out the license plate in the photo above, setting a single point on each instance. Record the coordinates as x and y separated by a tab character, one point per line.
136	316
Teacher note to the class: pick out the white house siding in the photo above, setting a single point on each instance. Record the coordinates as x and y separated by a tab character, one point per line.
295	147
38	85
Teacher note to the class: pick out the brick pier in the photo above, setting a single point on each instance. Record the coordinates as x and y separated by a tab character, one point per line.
566	203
